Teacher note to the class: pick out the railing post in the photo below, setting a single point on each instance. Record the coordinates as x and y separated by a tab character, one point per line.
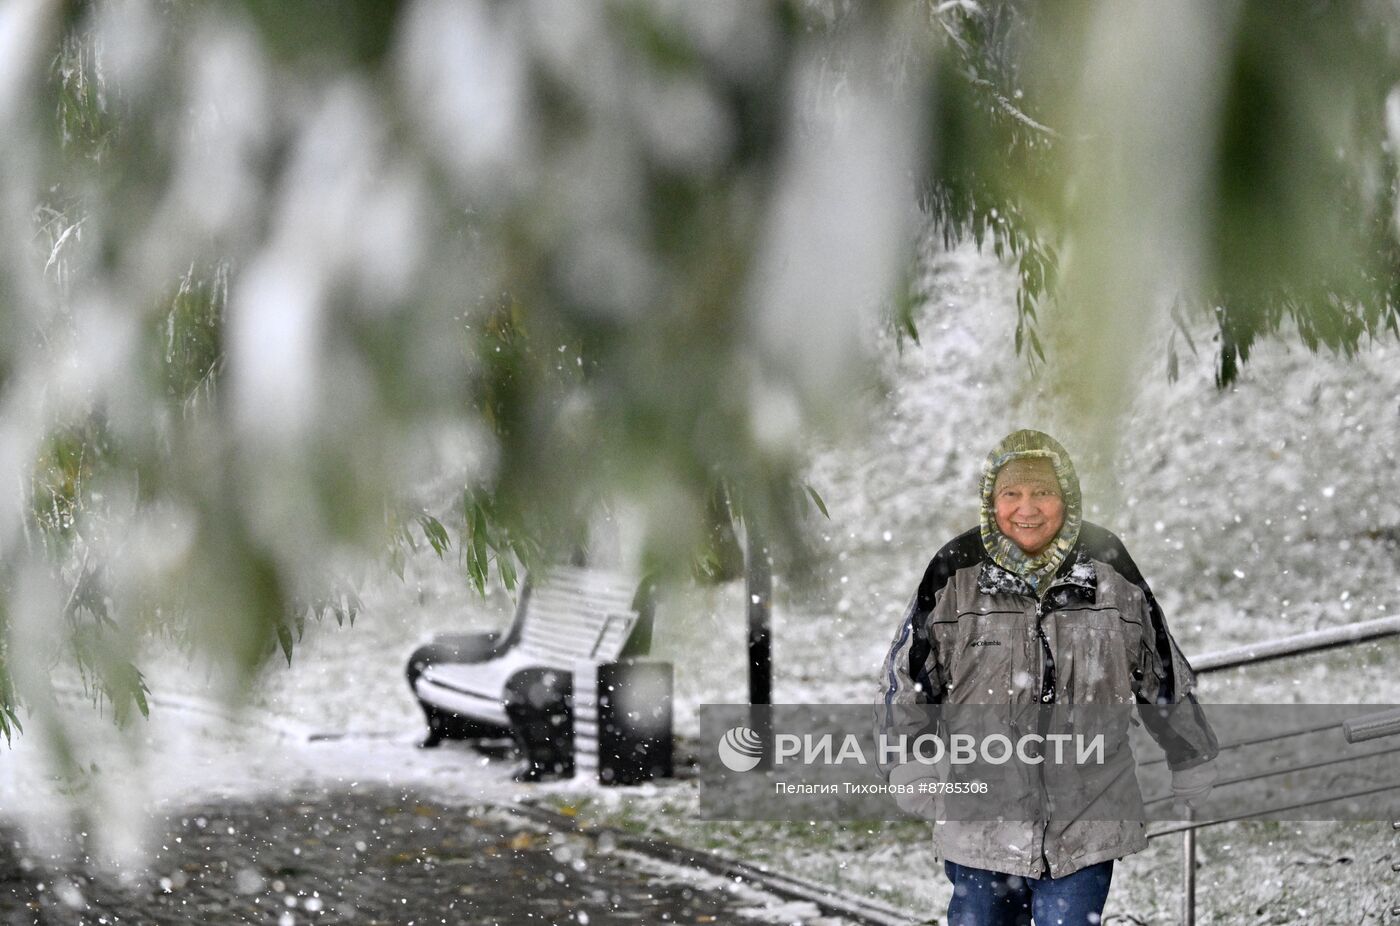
1395	909
759	586
1188	874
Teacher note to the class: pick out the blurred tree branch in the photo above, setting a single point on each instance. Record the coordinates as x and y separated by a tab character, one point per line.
289	287
1298	227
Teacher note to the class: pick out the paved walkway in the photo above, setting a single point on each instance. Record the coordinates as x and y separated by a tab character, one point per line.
376	857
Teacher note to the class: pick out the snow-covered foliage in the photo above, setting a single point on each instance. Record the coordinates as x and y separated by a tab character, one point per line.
286	288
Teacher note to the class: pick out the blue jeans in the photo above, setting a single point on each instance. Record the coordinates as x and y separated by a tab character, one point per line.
990	898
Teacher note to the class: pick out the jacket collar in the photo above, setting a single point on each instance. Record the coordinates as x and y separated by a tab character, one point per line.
1076	581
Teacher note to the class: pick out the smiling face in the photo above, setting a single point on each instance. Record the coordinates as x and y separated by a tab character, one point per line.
1029	512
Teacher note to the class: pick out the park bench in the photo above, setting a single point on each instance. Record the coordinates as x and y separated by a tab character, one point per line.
572	623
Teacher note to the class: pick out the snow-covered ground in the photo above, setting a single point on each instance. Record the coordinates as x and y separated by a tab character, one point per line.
1268	509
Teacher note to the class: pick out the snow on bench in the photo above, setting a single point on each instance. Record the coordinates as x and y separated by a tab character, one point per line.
573	617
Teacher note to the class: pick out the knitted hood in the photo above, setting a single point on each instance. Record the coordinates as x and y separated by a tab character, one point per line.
1036	570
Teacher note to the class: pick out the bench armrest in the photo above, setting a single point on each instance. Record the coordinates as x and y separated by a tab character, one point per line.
454	647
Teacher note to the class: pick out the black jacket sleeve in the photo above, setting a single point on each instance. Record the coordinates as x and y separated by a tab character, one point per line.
910	675
1165	680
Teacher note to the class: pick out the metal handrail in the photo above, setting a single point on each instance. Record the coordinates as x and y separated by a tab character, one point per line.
1306	767
1284	647
1300	644
1257	740
1192	826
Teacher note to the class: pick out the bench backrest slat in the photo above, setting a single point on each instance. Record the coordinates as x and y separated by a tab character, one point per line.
556	599
553	609
567	637
577	615
578	643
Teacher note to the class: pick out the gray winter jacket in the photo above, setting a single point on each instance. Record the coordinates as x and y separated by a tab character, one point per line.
976	633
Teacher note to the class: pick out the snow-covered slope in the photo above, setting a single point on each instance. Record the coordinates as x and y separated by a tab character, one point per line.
1267	509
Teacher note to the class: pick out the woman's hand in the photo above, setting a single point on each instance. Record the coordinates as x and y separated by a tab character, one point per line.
1191	786
920	794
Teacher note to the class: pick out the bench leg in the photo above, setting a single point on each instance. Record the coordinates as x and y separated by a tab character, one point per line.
539	703
445	725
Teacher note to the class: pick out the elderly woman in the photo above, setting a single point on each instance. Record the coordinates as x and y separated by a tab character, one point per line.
1054	609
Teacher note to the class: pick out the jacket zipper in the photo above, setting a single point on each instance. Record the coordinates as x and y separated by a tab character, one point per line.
1047	696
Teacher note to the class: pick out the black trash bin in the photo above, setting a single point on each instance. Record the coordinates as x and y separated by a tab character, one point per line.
623	721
